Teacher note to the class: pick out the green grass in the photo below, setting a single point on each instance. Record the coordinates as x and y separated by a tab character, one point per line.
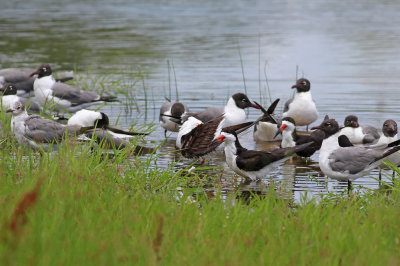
79	207
124	210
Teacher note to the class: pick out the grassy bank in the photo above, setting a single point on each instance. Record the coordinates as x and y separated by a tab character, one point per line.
77	207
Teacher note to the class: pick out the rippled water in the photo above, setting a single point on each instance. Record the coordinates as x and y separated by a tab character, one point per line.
349	50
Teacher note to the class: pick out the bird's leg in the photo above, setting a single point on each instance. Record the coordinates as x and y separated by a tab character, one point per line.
307	128
349	186
380	176
165	133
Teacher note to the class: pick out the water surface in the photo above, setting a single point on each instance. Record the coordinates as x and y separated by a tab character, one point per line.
209	50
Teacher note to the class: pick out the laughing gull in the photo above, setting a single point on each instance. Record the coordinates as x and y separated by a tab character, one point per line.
290	138
170	110
302	107
195	136
251	163
233	111
358	134
266	128
352	162
62	96
37	132
21	79
102	132
9	98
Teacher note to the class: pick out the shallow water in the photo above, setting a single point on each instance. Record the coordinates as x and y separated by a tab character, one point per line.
348	50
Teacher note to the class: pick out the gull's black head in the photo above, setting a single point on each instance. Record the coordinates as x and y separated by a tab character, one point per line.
103	122
329	127
177	109
42	71
242	101
302	85
389	128
351	121
8	89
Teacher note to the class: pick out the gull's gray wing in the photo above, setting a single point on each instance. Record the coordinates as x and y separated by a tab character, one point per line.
209	114
287	103
352	159
74	95
43	130
371	134
107	139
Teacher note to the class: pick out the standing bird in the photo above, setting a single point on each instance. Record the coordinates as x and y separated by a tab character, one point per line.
302	107
37	132
170	110
233	111
290	138
358	134
267	127
350	162
21	79
250	163
62	96
9	98
195	136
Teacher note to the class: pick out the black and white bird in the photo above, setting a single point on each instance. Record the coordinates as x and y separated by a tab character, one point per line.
290	138
170	110
253	164
233	111
21	80
9	98
37	132
345	162
62	97
357	134
267	127
301	107
102	131
195	136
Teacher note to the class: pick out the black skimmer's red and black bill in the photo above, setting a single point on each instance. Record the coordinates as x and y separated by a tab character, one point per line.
253	164
350	162
21	79
266	128
102	132
233	111
290	138
171	114
301	107
62	97
37	132
358	134
9	97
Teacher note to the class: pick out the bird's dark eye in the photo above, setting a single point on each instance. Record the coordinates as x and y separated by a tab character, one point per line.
304	83
244	100
44	69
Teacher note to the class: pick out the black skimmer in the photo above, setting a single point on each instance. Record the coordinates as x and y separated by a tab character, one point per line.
358	134
21	79
102	132
9	98
267	127
253	164
62	97
37	132
302	107
290	138
170	110
194	136
349	162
